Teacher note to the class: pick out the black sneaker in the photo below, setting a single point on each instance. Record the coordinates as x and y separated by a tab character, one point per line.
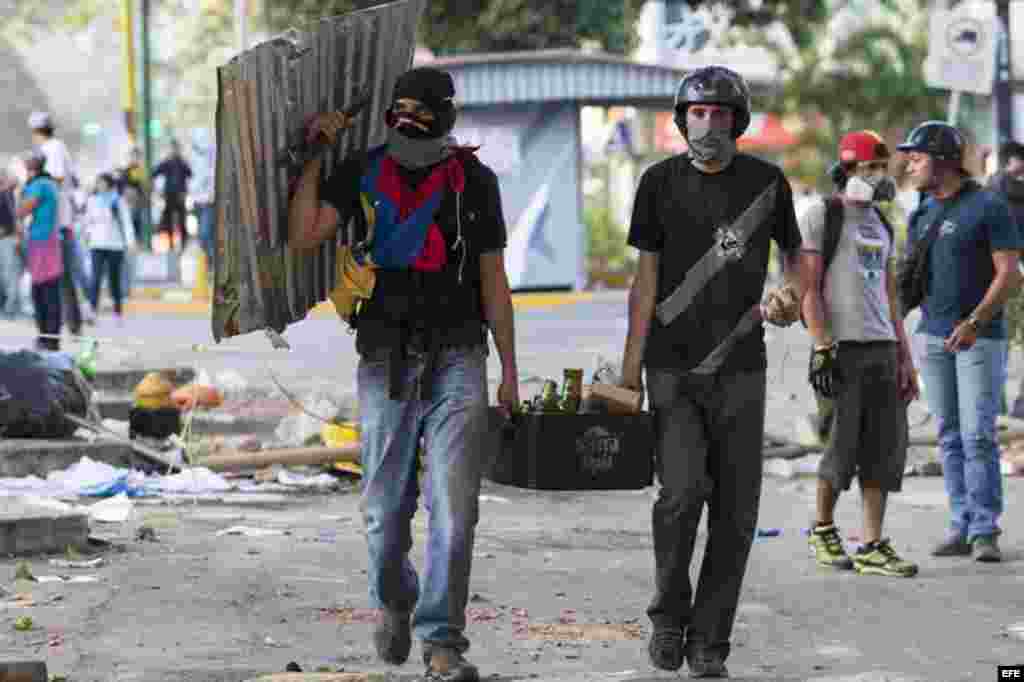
705	664
665	648
986	549
952	546
393	637
448	665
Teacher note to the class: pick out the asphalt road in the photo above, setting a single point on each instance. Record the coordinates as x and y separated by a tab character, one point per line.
196	607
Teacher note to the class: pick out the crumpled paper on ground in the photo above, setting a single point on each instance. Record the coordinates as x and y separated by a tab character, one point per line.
193	481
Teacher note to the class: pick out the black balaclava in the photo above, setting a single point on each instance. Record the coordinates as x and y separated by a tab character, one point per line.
414	148
435	90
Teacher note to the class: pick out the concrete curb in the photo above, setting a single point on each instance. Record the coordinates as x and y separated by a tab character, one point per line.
125	380
37	457
119	405
27	528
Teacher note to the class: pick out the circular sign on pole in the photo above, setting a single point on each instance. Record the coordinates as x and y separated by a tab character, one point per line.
961	48
965	37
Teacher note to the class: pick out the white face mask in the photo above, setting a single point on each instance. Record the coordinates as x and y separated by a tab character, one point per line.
871	189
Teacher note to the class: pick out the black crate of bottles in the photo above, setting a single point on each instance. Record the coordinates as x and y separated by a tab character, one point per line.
573	451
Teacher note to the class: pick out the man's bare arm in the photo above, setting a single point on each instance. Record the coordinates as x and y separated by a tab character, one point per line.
27	206
497	299
643	297
797	271
896	311
815	314
1005	284
310	220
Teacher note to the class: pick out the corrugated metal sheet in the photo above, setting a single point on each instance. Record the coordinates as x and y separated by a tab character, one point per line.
265	95
560	75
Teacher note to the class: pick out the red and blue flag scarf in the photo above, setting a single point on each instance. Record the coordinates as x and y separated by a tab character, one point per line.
405	234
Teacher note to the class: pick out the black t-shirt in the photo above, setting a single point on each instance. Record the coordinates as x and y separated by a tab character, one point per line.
681	213
422	299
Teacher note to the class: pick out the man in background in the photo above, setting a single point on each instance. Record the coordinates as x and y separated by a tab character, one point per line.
1009	184
176	173
11	267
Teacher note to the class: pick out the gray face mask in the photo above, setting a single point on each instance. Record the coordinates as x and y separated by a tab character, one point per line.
710	142
415	153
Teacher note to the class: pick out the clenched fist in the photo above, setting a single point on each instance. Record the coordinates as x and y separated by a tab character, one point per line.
781	306
328	125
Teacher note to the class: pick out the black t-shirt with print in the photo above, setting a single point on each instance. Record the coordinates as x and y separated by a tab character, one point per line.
680	213
425	300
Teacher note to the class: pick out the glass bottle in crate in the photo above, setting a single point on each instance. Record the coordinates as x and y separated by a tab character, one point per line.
572	390
549	401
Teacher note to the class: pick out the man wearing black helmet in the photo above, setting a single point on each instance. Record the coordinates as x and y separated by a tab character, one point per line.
436	251
970	243
703	222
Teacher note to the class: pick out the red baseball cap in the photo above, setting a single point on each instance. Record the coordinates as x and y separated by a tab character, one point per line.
862	145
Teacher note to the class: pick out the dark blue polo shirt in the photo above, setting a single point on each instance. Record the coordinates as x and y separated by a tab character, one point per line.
961	269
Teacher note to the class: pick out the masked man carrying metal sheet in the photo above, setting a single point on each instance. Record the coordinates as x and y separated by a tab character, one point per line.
703	222
434	239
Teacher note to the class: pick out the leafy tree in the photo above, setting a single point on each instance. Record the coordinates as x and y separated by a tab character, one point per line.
452	26
829	84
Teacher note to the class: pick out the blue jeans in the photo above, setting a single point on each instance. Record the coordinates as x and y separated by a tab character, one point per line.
11	270
963	392
452	425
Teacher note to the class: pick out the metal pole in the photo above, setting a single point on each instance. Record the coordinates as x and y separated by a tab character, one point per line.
241	28
145	127
954	108
128	93
1002	96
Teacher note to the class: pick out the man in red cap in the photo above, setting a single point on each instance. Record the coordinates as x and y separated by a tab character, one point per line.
861	367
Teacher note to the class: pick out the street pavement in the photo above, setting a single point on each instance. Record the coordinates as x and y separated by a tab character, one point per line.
550	567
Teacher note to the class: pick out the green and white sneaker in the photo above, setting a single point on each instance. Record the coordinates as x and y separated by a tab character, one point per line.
827	548
879	558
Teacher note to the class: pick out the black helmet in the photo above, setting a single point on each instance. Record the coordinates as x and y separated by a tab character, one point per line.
714	85
937	139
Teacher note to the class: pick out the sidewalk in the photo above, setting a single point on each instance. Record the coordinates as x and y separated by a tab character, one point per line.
180	301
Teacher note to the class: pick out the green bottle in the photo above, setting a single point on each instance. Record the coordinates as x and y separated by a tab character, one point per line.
86	360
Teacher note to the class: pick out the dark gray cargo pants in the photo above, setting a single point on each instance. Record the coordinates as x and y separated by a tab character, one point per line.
710	431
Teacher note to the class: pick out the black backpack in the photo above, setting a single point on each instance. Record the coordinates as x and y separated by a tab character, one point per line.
834	230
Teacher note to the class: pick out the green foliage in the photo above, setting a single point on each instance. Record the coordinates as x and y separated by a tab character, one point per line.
606	240
203	39
280	15
609	23
871	79
1015	319
802	18
452	26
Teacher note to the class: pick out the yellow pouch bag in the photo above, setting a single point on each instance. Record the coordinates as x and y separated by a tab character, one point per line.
353	283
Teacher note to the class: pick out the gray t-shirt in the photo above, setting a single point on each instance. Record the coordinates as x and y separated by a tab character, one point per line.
856	299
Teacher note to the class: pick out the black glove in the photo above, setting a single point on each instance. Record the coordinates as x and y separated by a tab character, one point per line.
824	373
